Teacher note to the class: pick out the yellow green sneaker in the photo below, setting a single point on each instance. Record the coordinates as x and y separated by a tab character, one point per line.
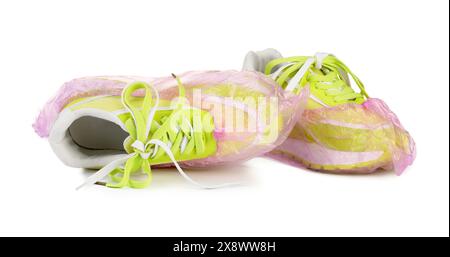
125	125
342	130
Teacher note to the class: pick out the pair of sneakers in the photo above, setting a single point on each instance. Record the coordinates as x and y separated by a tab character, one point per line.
300	110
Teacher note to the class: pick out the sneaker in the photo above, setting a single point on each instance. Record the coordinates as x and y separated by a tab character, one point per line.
126	125
341	130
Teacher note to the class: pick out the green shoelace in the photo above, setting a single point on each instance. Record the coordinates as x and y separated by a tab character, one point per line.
323	72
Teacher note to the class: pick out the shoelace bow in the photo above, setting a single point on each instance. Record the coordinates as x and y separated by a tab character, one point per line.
297	71
146	146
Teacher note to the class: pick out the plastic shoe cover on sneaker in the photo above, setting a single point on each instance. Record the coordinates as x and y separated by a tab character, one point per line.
267	112
358	135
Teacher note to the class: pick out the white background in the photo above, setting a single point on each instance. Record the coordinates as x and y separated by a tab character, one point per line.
400	49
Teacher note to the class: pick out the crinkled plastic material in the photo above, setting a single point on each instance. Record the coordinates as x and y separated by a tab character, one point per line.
235	89
349	138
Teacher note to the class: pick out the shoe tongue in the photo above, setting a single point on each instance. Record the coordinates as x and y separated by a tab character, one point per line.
324	72
347	88
315	71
